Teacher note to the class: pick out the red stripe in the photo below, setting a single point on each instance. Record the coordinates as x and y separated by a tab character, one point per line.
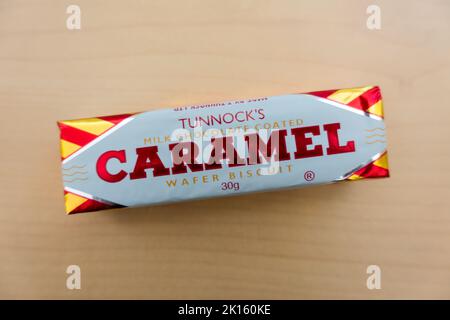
367	99
93	205
116	119
75	135
372	171
322	94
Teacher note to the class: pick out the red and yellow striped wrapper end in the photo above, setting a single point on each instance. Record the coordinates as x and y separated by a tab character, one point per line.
74	136
378	168
77	204
369	100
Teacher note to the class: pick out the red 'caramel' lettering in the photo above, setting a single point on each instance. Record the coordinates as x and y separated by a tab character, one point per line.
184	154
277	149
181	158
223	149
302	142
148	158
103	160
333	140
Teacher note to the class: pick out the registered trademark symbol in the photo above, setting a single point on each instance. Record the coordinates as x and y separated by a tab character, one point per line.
309	175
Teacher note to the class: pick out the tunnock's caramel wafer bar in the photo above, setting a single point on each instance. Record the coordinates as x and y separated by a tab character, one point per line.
222	149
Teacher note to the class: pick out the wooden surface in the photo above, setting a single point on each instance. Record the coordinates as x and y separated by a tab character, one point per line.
309	243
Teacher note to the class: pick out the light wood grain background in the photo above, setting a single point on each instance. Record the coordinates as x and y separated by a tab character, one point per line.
308	243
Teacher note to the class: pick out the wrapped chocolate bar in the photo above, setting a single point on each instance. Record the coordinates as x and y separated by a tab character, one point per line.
222	149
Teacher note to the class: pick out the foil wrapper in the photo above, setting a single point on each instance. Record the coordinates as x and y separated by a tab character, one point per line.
221	149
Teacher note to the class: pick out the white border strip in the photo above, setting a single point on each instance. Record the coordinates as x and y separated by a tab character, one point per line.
87	195
362	165
80	193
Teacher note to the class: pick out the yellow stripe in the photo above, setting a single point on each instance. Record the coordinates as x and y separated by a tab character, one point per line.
347	95
377	109
355	177
95	126
67	148
382	162
73	201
